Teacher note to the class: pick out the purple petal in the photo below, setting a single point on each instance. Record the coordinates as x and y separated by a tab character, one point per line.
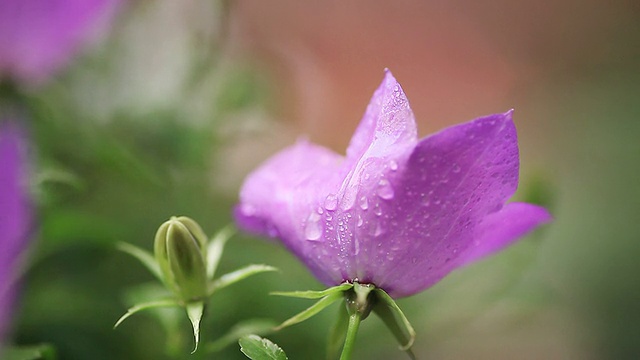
451	181
14	214
502	228
398	213
38	36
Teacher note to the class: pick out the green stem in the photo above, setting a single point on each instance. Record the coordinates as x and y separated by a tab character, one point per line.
352	330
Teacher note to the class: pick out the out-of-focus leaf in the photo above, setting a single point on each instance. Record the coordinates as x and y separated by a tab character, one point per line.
257	348
337	334
34	352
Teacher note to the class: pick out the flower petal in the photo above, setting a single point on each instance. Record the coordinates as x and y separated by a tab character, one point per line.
284	198
502	228
451	181
387	123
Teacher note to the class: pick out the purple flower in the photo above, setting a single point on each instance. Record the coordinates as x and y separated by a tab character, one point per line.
397	212
38	36
15	215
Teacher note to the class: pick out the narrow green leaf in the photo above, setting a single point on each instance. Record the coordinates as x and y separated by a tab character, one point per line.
312	310
337	334
240	274
253	326
145	306
146	258
387	309
216	247
195	311
257	348
310	294
34	352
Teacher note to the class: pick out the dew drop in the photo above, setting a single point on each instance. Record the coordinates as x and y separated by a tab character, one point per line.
313	230
377	210
385	191
360	221
331	202
320	210
393	165
456	168
364	203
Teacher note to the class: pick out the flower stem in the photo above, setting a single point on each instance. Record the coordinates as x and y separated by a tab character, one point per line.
352	330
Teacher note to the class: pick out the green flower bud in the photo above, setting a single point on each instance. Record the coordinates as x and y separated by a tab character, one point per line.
180	250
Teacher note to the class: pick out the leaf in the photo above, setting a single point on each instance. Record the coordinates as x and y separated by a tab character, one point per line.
244	328
215	248
145	306
195	311
337	334
257	348
312	310
34	352
238	275
387	309
310	294
146	258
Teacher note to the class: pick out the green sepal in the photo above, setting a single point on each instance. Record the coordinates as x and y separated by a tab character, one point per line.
337	334
238	275
216	247
146	258
314	294
253	326
257	348
145	306
32	352
312	310
194	312
387	309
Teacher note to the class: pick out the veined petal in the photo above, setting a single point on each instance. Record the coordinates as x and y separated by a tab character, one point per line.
387	123
452	180
502	228
286	198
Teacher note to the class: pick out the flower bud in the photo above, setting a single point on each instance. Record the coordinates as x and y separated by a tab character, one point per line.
180	250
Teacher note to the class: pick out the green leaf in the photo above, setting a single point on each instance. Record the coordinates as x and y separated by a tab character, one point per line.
257	348
337	334
314	294
387	309
215	248
145	306
312	310
241	274
195	311
34	352
241	329
146	258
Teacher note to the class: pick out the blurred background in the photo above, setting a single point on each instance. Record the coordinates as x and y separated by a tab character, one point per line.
161	108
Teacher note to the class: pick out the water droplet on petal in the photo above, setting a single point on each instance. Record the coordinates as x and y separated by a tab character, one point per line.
385	190
320	210
456	168
360	221
331	202
377	210
313	230
393	165
364	203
